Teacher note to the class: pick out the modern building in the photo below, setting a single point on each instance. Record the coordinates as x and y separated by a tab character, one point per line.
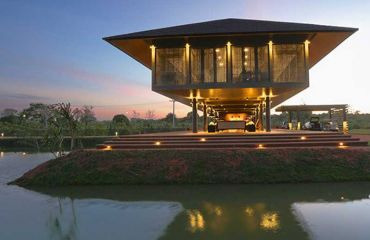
232	68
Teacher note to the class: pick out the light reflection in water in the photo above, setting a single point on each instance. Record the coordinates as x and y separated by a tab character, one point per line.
1	154
196	220
270	221
249	211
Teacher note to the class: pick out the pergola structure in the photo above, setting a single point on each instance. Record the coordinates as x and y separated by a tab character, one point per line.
330	108
232	65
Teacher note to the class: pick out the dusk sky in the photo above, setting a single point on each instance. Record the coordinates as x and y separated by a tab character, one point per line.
52	51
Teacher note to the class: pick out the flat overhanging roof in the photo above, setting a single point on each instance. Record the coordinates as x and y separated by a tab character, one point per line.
323	38
302	108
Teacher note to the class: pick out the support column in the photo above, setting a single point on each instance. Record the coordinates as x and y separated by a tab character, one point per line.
205	123
330	115
298	120
260	117
268	114
345	123
290	125
194	115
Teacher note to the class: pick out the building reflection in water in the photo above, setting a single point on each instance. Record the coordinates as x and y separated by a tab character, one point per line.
196	220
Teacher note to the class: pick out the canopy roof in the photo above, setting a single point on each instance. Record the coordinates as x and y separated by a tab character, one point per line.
323	38
310	108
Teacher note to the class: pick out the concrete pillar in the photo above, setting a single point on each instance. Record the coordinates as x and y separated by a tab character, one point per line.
290	117
205	123
298	120
260	117
194	115
268	114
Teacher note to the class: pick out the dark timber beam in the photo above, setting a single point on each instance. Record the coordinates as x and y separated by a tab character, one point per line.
205	124
194	115
268	114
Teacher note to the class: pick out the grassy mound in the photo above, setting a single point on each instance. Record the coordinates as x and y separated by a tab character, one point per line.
202	166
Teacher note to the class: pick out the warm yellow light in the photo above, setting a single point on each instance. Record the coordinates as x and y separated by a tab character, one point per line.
108	148
246	49
196	220
157	143
219	57
187	45
202	139
228	44
221	64
307	42
152	47
217	50
341	144
260	146
270	43
270	221
218	211
303	138
249	211
200	221
23	153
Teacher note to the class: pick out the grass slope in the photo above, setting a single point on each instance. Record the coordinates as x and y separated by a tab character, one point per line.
86	167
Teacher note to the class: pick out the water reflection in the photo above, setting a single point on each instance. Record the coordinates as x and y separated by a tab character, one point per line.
285	211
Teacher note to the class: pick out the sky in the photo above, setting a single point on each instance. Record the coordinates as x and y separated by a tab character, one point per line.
52	51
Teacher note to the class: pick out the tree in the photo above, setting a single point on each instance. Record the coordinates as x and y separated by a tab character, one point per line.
8	112
64	113
121	118
37	112
150	114
120	124
87	115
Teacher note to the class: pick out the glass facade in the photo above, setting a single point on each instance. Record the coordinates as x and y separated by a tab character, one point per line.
220	54
209	65
288	63
202	65
170	66
243	64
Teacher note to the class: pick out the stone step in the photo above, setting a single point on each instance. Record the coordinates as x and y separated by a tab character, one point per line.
234	145
234	140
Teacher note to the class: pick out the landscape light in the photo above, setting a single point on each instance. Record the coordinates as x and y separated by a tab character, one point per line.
202	139
2	134
303	138
23	153
260	146
341	144
157	143
108	148
116	134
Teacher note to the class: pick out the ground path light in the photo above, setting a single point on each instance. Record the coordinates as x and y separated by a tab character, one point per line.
202	139
157	143
303	138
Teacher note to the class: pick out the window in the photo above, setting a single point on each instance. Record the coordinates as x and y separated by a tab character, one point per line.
243	64
288	63
170	66
202	67
220	64
196	65
263	63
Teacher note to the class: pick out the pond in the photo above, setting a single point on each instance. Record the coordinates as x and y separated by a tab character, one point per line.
282	211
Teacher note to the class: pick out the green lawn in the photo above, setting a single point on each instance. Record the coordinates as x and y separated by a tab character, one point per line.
360	131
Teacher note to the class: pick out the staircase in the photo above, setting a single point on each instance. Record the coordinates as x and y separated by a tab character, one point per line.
217	141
